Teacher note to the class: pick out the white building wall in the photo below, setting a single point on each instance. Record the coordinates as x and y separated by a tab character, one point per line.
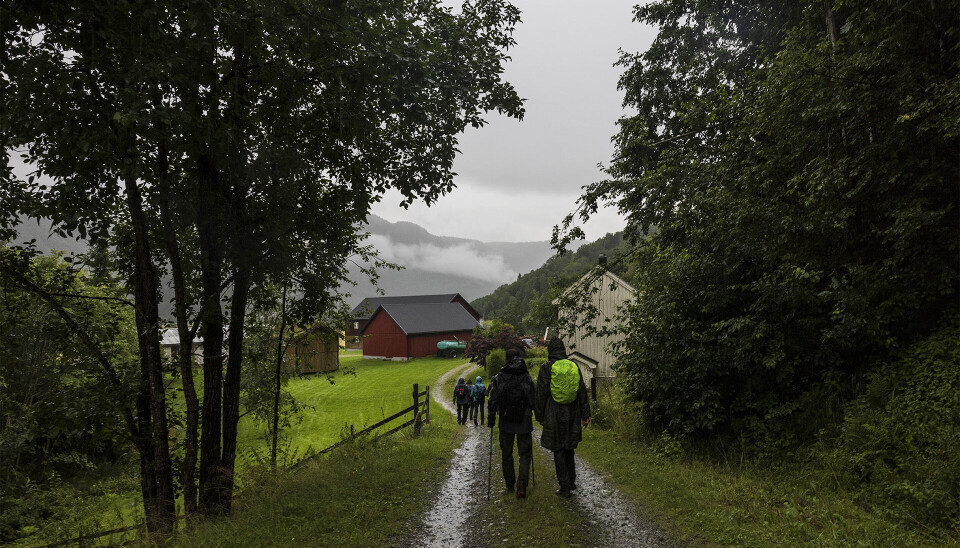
612	294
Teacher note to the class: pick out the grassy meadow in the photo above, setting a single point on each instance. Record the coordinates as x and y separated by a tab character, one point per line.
361	393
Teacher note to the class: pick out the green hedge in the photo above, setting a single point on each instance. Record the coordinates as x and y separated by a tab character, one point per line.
495	360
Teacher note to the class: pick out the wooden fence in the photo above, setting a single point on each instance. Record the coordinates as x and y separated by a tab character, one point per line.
421	415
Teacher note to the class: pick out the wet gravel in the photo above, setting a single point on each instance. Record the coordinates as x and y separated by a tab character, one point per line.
611	519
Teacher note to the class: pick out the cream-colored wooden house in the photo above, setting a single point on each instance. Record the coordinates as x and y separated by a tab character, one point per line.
608	293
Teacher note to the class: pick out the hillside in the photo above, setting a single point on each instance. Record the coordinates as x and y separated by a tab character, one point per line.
526	303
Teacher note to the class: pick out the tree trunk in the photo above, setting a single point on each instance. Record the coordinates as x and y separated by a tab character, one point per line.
231	385
185	355
148	333
276	385
211	319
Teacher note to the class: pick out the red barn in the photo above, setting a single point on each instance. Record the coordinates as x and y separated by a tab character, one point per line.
412	330
363	312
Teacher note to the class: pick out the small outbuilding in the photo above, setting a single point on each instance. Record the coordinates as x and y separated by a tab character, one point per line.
412	330
170	345
316	350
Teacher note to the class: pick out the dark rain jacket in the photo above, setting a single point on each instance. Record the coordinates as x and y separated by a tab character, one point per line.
517	367
561	422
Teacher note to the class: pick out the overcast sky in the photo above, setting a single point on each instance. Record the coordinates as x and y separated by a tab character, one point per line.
517	179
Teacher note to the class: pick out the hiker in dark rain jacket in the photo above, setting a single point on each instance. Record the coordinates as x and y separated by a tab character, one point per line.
562	422
512	396
462	397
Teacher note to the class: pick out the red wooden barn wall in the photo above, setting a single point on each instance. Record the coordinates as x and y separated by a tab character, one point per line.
384	338
426	344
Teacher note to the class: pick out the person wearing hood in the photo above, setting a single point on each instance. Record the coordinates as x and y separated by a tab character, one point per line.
461	397
563	408
479	397
512	396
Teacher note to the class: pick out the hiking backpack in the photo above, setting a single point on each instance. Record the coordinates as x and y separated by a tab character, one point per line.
460	392
512	399
564	381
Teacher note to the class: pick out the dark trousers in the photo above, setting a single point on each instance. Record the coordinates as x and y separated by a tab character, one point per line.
463	409
477	408
524	449
566	468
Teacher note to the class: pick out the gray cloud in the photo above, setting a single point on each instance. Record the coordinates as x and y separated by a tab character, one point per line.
458	260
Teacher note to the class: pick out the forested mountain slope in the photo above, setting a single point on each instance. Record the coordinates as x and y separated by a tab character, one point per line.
526	303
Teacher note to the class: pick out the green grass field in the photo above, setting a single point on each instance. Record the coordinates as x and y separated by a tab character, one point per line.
375	390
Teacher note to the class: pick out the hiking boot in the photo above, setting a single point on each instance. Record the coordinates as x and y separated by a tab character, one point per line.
509	488
521	490
563	493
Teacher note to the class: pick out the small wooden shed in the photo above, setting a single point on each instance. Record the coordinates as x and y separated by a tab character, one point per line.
316	350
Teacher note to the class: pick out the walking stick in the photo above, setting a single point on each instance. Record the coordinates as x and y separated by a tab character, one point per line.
533	466
489	462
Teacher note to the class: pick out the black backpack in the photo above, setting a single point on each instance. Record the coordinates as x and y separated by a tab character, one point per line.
512	398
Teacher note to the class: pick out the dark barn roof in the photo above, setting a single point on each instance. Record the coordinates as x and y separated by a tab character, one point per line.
415	318
368	306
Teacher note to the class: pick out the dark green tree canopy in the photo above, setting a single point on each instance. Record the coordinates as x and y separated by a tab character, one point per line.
800	162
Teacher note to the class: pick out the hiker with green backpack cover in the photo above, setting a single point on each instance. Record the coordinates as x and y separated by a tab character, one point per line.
563	408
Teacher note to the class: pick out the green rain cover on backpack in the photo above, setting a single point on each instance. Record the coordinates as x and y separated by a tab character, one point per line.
564	381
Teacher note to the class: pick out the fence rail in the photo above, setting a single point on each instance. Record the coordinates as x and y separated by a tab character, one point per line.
421	416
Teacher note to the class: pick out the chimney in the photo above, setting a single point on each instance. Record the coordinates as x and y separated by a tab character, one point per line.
602	261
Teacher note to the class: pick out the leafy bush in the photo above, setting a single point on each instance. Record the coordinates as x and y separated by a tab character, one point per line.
901	438
535	362
495	360
537	352
497	335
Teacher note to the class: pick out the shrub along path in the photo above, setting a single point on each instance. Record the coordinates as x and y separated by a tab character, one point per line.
460	514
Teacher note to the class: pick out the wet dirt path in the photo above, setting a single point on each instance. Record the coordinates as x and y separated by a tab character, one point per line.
448	521
459	512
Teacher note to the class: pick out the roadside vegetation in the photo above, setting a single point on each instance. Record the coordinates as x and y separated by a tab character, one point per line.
724	498
105	497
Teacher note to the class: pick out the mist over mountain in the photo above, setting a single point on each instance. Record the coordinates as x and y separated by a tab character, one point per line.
432	264
443	264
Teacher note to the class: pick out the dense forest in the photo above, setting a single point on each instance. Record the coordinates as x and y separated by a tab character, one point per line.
527	304
801	163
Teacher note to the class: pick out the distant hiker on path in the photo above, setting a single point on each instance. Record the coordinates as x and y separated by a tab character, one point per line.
461	397
512	396
479	397
562	407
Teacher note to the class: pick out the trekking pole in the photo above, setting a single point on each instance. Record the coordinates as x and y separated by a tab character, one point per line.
489	462
533	466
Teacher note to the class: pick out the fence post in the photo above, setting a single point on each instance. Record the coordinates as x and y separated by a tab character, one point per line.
416	407
427	403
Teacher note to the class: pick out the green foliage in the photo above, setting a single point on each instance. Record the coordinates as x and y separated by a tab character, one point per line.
495	361
901	438
718	498
60	410
805	191
528	302
494	335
